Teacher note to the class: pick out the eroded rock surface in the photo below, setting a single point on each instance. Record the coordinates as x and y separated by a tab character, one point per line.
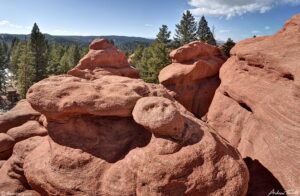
134	138
257	106
18	124
193	75
12	179
103	58
115	135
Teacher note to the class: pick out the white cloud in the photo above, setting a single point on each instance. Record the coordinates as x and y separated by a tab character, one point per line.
60	31
224	31
255	31
267	27
3	22
231	8
6	23
148	25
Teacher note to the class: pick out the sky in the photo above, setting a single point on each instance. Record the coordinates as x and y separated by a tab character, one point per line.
237	19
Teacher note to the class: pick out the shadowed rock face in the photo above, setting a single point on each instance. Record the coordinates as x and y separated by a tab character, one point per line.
193	75
257	106
262	182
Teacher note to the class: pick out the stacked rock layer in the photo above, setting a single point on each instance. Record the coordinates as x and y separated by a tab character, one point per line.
257	106
115	135
193	75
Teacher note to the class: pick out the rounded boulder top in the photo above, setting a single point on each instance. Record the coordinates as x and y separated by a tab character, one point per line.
101	44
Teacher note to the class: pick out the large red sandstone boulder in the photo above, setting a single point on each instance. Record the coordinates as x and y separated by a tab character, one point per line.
103	58
257	106
17	116
12	179
20	129
18	124
193	75
121	136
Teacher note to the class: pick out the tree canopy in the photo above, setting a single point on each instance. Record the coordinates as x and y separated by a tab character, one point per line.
186	30
204	33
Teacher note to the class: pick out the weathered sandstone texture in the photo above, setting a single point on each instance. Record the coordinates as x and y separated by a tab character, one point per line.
193	75
114	135
18	124
121	136
103	58
21	130
257	106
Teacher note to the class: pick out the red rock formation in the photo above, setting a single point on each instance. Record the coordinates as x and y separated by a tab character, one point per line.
18	124
12	179
20	131
103	58
257	106
193	75
116	135
113	137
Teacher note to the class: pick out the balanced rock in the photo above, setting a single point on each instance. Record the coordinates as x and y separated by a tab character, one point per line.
103	58
121	136
257	106
193	75
159	115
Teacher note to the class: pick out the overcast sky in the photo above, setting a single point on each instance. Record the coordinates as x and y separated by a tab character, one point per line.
237	19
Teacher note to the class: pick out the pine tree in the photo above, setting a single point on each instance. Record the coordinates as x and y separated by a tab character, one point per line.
14	41
74	55
151	61
70	58
56	53
204	33
26	71
3	66
227	47
186	29
14	58
38	47
163	35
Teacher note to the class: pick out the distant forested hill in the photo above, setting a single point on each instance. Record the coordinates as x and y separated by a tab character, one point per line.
127	44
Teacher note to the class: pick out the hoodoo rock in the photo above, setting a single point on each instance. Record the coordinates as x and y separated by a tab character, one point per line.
103	58
257	106
115	135
193	75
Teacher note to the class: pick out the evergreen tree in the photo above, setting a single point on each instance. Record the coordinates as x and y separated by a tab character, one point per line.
204	33
14	42
38	47
83	51
149	61
14	58
3	66
227	47
74	55
186	29
163	35
56	53
70	58
26	70
152	60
